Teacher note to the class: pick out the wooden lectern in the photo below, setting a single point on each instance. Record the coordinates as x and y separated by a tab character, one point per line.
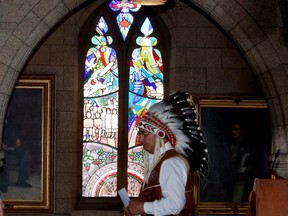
269	198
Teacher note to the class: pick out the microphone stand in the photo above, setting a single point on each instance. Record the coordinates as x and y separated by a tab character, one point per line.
273	172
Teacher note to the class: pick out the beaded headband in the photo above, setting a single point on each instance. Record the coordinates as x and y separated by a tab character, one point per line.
156	126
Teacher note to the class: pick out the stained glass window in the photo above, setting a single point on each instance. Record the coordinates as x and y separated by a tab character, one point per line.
103	97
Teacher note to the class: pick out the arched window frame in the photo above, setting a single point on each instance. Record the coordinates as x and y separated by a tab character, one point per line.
122	47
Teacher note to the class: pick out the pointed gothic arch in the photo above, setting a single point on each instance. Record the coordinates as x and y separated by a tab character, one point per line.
124	73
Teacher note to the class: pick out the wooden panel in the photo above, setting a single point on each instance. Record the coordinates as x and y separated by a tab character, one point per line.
269	197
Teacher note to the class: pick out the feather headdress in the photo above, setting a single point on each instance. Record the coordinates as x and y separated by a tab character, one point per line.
175	118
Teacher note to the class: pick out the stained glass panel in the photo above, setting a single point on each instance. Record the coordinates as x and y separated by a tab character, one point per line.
145	89
124	18
100	117
99	170
135	170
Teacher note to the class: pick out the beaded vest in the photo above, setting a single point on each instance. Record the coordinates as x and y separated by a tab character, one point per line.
152	190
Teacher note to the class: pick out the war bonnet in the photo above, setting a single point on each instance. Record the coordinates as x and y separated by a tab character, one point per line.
175	118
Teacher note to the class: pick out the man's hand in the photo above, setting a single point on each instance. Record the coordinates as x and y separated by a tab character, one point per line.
18	143
135	207
126	212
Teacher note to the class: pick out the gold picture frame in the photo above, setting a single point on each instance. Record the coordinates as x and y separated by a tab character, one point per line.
31	109
215	115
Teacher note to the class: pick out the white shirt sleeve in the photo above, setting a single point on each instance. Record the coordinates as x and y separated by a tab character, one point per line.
173	178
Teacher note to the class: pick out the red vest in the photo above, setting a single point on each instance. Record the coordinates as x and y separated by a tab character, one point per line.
152	190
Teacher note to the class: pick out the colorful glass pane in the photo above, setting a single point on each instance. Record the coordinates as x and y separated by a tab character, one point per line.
100	117
124	18
99	170
135	170
145	89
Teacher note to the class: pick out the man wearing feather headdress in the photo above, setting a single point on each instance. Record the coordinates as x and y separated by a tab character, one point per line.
175	150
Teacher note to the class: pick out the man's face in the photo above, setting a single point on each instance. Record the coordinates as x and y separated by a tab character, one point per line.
147	139
237	131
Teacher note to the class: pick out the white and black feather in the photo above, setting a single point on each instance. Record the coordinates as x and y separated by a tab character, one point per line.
180	116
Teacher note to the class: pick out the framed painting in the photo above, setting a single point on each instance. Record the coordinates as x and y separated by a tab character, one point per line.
27	179
238	134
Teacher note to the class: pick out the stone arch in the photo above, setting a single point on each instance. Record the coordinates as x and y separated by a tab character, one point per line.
259	52
24	35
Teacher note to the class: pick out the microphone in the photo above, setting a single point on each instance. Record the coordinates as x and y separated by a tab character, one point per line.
275	158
